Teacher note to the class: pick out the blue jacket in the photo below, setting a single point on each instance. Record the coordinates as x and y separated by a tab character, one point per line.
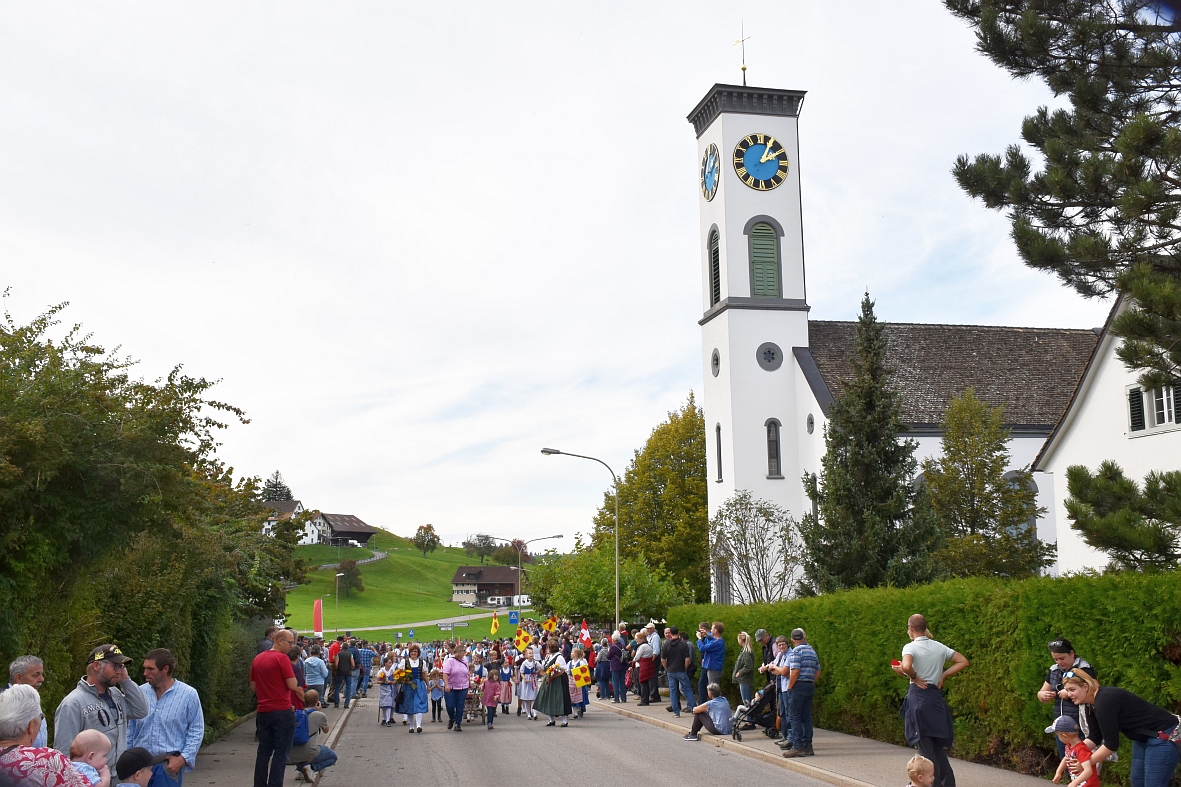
713	652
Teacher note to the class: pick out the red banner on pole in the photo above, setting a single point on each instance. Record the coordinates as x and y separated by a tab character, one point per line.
318	617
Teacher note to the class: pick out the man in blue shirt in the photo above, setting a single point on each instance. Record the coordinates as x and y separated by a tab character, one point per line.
714	715
803	670
30	671
712	648
365	656
174	722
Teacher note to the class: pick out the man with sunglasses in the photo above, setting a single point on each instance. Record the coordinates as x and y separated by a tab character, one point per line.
1065	659
105	699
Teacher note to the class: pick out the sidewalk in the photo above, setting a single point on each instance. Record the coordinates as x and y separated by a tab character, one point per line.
844	760
230	759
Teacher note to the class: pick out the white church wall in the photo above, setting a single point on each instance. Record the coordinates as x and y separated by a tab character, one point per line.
1097	429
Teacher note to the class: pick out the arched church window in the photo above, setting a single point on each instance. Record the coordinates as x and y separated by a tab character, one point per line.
715	269
718	440
764	261
774	467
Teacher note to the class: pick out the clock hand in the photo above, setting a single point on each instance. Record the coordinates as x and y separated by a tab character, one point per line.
767	155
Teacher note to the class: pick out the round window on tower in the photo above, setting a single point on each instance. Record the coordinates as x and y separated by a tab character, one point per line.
811	423
715	362
769	356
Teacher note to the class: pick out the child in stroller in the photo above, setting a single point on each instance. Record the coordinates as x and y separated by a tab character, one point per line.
760	713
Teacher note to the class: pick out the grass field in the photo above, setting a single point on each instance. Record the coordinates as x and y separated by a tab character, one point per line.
322	554
403	588
476	629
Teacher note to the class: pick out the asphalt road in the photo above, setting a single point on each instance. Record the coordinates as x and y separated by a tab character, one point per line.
529	754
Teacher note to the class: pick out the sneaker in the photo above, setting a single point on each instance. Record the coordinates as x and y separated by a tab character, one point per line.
458	728
670	708
450	724
790	753
690	737
307	775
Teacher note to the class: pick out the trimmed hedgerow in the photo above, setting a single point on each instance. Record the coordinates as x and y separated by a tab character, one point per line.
1127	625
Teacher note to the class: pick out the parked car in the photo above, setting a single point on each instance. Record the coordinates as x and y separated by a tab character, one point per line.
466	604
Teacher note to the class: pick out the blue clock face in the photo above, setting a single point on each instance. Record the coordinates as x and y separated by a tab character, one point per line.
760	161
711	172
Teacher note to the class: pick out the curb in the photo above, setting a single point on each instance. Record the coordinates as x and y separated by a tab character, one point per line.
749	751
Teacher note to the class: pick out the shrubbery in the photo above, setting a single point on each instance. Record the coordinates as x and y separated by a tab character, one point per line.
1128	625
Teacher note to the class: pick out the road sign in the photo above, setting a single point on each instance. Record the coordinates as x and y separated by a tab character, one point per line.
514	618
411	634
399	635
444	627
459	623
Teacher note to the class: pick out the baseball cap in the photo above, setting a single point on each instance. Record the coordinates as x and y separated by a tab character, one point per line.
109	653
135	759
1062	724
797	635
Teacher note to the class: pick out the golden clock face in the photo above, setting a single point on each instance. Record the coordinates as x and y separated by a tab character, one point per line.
760	161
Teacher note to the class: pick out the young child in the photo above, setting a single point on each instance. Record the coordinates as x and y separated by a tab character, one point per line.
137	767
921	771
386	690
1066	728
491	695
506	684
436	686
88	755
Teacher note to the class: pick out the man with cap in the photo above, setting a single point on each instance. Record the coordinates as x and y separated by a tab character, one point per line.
138	766
30	671
803	670
105	699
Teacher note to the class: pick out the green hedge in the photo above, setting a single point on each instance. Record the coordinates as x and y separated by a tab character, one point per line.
1127	625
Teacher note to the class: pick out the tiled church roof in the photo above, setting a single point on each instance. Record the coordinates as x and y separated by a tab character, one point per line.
1032	372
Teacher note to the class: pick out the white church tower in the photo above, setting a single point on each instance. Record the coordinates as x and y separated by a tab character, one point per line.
753	296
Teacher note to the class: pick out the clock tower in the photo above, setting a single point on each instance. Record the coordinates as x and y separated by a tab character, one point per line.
754	300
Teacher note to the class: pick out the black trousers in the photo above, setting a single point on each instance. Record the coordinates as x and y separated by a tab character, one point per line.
933	750
703	720
275	731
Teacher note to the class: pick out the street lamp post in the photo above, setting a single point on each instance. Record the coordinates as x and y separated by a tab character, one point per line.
520	550
555	451
337	621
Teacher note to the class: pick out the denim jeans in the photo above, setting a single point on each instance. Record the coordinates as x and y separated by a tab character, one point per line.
162	778
455	699
325	759
605	688
785	714
618	687
363	684
746	691
319	689
348	681
678	686
275	730
801	714
491	713
1153	763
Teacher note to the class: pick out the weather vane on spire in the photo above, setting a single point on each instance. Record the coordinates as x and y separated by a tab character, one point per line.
742	43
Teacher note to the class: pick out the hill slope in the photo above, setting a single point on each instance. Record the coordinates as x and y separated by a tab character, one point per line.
403	588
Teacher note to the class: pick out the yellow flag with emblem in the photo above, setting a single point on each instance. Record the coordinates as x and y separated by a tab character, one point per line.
495	624
582	675
551	624
522	639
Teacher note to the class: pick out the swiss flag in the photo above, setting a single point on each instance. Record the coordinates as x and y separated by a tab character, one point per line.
584	636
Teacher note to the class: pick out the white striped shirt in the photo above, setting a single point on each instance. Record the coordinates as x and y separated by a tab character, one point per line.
174	722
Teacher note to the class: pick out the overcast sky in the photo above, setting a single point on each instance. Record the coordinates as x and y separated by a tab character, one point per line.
418	242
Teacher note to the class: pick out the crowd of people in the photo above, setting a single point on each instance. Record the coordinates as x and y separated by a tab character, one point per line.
110	731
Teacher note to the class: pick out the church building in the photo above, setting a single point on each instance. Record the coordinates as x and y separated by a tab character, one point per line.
771	372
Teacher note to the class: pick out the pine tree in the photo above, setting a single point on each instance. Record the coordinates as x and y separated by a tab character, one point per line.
873	527
1104	213
1139	528
275	489
985	517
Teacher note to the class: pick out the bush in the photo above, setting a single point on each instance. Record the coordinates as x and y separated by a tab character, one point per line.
1127	625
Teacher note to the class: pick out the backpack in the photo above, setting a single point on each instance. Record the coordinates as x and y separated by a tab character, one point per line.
301	735
344	662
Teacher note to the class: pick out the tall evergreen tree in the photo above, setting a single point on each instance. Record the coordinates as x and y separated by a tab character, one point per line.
873	527
1104	212
663	511
275	489
985	516
1140	528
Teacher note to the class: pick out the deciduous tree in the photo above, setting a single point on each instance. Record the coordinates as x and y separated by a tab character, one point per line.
583	584
1139	527
426	539
352	577
756	544
480	545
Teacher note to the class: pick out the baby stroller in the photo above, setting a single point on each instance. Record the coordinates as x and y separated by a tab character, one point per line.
760	713
473	706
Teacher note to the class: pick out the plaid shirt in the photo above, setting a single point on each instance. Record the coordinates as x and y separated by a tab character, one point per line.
365	658
803	658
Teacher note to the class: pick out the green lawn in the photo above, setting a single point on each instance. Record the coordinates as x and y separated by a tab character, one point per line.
322	554
403	588
476	629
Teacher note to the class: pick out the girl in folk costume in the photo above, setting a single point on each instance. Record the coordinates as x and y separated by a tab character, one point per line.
491	694
386	691
578	697
553	696
506	685
414	699
437	688
527	675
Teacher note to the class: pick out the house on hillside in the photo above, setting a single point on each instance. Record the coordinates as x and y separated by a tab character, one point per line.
286	509
477	583
338	529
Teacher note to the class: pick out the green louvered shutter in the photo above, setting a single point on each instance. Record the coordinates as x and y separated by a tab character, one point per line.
764	261
715	270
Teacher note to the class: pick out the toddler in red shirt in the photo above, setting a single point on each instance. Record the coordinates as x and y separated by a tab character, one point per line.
1078	754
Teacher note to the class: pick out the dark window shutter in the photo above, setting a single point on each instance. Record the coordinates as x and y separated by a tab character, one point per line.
718	437
764	261
1136	409
773	449
715	270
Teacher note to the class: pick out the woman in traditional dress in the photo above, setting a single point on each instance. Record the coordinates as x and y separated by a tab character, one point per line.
414	698
527	674
553	696
386	691
578	696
